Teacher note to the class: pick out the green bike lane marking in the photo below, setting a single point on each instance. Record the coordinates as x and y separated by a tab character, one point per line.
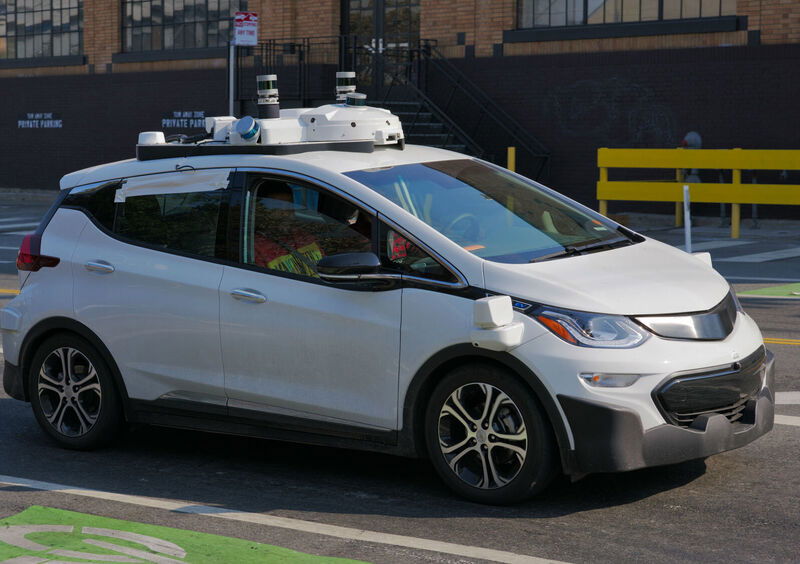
785	290
43	534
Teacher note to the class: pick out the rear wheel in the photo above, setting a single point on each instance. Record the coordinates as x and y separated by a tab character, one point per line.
487	436
73	394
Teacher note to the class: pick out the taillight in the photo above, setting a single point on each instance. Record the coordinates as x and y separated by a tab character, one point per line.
29	257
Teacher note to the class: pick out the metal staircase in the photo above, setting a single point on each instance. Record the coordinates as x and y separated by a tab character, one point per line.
437	103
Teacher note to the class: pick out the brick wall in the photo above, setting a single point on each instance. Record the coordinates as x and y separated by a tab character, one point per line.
778	20
101	32
483	23
296	18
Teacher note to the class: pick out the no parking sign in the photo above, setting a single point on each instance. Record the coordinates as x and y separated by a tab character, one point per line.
245	29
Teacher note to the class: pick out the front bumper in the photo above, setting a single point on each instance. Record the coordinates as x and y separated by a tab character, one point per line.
12	381
612	439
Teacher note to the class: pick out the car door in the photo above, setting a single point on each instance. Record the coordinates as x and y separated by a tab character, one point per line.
296	347
147	283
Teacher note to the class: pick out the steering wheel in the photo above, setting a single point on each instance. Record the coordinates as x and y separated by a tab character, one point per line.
472	230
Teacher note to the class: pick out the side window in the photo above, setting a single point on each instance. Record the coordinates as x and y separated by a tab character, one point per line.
399	253
189	222
292	226
98	202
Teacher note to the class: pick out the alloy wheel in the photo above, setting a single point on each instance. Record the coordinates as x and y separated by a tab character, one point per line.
482	435
69	392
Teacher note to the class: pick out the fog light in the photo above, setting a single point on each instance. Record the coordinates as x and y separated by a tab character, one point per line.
601	380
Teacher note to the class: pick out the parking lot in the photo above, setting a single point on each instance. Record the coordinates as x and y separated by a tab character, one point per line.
741	506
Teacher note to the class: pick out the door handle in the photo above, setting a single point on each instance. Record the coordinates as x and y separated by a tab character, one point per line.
248	295
99	266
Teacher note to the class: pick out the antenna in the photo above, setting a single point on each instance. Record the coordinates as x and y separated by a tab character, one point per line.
268	105
345	84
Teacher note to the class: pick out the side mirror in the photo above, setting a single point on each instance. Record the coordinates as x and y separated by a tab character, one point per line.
348	267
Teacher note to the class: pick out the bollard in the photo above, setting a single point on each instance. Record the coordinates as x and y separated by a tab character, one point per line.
687	219
511	159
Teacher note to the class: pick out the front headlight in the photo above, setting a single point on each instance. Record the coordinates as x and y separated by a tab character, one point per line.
596	330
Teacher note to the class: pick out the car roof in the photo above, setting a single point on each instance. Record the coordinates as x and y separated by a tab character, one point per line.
330	161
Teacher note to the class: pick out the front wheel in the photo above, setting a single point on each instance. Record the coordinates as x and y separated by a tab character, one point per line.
487	436
73	394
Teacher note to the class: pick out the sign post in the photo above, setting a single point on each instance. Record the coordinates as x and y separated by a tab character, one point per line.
245	34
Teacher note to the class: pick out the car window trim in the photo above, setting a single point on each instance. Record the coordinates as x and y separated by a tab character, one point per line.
248	211
231	188
461	281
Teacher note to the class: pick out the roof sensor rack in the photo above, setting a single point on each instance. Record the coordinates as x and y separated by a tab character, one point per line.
348	125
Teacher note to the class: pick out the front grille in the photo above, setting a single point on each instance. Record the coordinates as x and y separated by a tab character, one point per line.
725	391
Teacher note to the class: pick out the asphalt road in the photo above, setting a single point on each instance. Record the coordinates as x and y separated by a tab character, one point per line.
741	506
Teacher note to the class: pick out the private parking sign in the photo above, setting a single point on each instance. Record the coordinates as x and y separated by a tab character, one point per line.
245	29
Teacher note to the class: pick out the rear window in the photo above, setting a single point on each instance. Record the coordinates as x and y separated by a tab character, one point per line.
193	222
188	222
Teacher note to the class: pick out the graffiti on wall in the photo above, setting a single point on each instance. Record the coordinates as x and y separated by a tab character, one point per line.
613	110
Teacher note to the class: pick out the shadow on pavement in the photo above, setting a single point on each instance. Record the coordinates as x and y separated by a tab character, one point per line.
259	475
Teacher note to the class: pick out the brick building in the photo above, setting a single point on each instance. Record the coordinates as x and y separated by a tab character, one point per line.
79	78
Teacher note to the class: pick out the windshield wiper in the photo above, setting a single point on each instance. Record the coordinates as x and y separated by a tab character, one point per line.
573	250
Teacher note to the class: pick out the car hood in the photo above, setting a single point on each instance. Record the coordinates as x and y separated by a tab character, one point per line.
641	279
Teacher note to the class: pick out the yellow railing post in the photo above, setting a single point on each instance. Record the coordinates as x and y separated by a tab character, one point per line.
736	209
603	208
678	205
511	163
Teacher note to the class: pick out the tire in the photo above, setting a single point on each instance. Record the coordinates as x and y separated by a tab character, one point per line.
497	454
85	415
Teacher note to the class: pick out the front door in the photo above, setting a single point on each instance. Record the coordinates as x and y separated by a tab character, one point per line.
386	32
294	346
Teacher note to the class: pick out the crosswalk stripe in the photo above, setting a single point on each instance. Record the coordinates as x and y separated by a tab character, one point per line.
19	226
794	252
710	245
24	219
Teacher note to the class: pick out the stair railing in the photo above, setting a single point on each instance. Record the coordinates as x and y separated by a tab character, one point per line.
432	60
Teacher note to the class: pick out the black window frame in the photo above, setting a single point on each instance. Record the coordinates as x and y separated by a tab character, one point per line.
128	53
658	26
585	14
44	29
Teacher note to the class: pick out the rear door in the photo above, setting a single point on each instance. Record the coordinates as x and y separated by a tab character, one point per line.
147	281
296	348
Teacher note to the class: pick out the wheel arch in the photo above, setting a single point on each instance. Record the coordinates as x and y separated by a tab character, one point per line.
52	326
412	440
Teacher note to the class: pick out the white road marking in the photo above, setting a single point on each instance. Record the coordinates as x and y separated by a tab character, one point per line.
9	219
710	245
9	248
787	420
19	226
336	531
787	398
16	232
794	252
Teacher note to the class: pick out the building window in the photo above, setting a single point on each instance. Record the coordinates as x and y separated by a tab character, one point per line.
560	13
45	28
154	25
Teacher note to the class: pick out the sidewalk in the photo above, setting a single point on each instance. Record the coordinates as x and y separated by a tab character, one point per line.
709	227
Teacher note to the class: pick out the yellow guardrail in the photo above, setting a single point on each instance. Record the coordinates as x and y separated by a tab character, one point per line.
679	160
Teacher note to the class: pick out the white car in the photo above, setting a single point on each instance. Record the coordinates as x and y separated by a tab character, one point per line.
354	291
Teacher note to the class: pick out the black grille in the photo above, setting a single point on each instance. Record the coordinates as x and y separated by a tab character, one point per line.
725	391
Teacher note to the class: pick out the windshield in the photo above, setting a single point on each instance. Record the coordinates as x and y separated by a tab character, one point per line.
492	213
